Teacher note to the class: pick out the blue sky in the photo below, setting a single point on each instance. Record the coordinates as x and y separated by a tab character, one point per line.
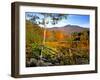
72	19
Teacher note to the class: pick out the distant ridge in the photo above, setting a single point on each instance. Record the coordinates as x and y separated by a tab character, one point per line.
68	29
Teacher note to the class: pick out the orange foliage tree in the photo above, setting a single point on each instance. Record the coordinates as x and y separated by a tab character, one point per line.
59	36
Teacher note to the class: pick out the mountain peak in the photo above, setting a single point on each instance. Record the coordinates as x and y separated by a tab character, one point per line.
68	29
73	26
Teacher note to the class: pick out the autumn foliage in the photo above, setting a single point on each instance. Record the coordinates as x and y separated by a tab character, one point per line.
59	35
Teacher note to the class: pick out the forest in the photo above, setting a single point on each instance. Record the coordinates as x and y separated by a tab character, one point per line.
59	48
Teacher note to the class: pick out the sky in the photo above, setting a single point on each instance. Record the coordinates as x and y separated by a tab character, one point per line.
72	19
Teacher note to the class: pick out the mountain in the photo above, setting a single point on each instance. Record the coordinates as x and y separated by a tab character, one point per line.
68	29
